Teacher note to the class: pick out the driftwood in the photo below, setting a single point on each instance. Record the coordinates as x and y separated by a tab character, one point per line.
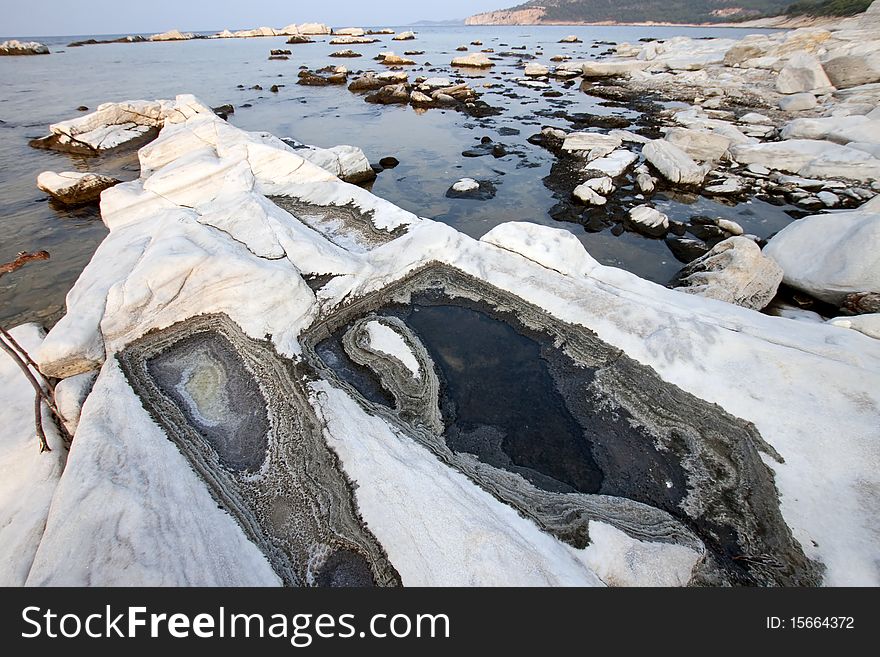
45	387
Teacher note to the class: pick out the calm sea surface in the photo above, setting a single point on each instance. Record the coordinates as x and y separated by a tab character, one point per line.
37	91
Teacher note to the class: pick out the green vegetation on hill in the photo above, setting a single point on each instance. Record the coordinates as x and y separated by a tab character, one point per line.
828	7
687	11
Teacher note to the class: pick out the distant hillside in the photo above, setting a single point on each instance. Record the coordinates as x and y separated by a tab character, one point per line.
661	11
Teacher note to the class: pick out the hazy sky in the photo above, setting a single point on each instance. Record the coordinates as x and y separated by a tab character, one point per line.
65	17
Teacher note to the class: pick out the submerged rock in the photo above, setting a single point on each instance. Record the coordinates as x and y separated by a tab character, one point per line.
73	188
734	271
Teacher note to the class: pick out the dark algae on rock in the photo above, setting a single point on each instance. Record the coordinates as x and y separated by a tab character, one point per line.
562	426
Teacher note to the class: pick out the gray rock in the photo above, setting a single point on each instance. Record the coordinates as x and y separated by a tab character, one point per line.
674	163
803	72
798	102
734	271
851	70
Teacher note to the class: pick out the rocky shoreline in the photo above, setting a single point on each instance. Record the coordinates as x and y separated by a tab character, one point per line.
243	360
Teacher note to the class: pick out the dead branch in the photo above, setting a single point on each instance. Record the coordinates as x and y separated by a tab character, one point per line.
21	260
21	358
26	357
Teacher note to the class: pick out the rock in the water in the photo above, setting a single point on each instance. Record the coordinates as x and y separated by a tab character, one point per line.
798	102
644	180
313	79
803	72
404	36
73	188
392	94
729	186
474	60
674	163
686	249
700	145
593	145
830	255
390	59
587	195
614	164
607	68
735	271
465	185
346	40
345	53
649	221
534	70
468	188
571	38
14	47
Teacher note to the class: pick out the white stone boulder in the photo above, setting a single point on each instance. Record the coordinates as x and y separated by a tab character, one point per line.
171	35
612	68
348	163
350	31
798	102
701	145
587	195
830	255
313	29
734	271
74	188
615	164
803	72
465	185
839	129
674	163
811	158
404	36
593	145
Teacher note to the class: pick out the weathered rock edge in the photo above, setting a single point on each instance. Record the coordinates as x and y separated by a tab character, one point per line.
297	522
